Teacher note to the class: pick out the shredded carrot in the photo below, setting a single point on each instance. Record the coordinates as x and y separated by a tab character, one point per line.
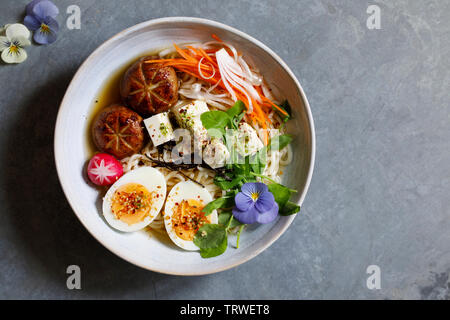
183	53
263	123
189	62
206	56
216	37
197	51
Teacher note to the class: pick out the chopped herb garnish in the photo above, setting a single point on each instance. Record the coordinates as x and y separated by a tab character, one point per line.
163	129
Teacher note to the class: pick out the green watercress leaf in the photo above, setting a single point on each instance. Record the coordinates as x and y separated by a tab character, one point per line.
225	184
226	201
289	208
224	219
216	133
237	119
276	143
236	110
247	167
212	240
286	107
281	194
280	142
259	160
215	119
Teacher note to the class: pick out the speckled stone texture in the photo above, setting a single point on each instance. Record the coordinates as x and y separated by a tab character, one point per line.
380	190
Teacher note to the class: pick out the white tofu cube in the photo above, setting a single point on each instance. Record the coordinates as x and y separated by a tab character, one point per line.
216	154
246	140
188	117
159	128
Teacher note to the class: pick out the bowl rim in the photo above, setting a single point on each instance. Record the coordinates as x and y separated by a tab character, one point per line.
180	19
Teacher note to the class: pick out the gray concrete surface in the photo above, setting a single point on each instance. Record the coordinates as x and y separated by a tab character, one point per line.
379	194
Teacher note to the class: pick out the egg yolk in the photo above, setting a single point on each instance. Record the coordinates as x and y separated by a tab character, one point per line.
188	218
131	203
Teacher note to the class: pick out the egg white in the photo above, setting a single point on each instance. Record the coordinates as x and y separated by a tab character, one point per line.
184	191
153	181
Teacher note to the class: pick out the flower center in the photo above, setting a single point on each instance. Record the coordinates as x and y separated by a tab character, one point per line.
13	48
45	28
255	196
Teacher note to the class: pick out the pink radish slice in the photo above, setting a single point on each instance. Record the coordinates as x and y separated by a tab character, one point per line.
103	169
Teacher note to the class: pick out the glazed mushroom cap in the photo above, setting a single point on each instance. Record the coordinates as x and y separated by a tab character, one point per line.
118	131
149	88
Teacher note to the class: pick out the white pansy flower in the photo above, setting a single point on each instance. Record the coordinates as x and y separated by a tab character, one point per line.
16	36
3	29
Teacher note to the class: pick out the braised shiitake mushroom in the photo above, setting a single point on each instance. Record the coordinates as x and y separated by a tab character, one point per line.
117	130
149	88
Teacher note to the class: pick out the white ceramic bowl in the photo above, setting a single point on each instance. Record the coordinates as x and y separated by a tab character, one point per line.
71	153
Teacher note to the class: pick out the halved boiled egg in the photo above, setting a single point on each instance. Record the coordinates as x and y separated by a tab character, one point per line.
135	199
183	214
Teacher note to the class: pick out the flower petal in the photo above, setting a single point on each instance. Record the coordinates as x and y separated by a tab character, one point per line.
52	24
43	37
247	217
268	216
243	201
21	41
261	187
265	201
4	43
45	8
254	187
32	23
17	30
10	57
30	6
248	189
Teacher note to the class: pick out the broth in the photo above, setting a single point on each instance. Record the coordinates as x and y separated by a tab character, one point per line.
108	94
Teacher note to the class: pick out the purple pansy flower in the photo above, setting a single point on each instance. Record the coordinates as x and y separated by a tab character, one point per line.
40	18
255	203
51	9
